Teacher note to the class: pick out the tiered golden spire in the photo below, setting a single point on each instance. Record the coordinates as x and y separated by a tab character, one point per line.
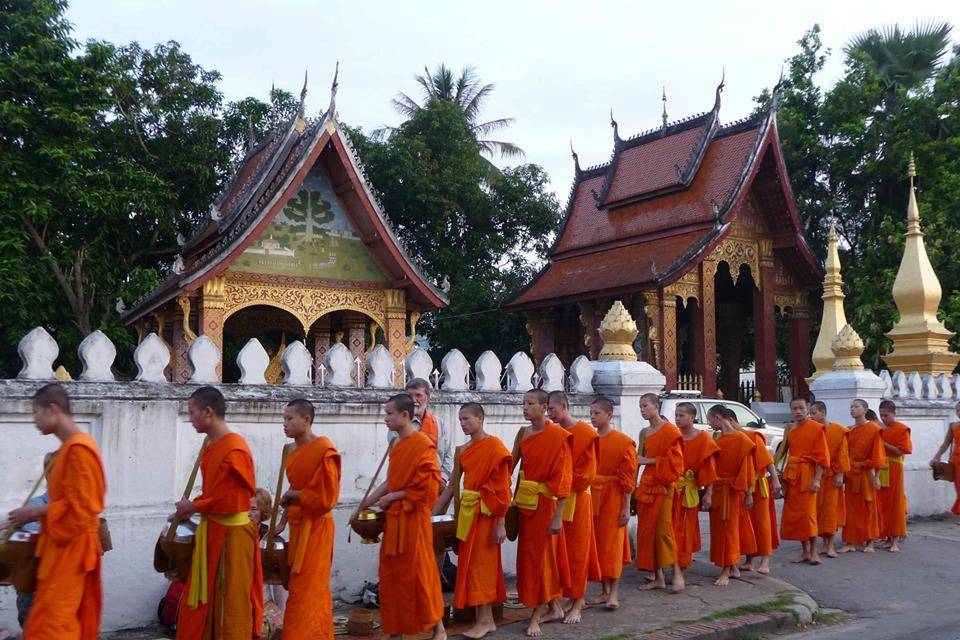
919	338
618	331
834	318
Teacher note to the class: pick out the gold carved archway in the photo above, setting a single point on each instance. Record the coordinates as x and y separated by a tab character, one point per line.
737	252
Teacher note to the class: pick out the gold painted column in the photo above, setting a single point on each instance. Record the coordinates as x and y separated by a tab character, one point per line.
669	323
183	335
395	331
765	325
708	318
356	326
212	310
321	344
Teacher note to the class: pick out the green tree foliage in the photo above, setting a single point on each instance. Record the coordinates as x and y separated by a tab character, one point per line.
847	149
479	232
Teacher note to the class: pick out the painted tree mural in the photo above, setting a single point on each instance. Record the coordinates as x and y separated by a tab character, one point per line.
308	211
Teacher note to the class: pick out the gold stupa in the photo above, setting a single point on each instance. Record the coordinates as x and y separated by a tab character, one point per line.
834	318
618	332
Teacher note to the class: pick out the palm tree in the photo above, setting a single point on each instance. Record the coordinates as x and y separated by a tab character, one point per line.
903	60
467	92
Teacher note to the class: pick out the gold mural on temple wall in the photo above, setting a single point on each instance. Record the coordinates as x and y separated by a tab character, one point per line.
736	252
311	237
306	303
688	286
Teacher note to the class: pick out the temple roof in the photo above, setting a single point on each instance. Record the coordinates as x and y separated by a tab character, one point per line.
267	177
666	199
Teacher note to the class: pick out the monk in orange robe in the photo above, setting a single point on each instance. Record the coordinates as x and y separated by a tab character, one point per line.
893	497
761	534
699	471
662	456
485	465
543	451
735	476
951	441
830	507
612	485
808	455
68	598
411	600
313	470
226	600
578	535
862	526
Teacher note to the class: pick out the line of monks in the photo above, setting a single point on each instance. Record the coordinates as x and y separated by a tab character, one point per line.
576	484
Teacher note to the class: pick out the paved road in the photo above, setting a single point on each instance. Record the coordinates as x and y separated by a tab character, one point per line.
894	597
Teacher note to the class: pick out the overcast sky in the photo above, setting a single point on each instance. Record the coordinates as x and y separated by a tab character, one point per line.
559	67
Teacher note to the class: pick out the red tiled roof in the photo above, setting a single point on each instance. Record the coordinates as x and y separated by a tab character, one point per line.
652	166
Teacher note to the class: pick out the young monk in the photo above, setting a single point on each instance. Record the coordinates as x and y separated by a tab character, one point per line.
830	507
762	532
226	600
662	456
484	464
313	470
862	526
952	441
68	599
578	535
543	451
612	486
808	456
411	600
735	475
893	497
699	471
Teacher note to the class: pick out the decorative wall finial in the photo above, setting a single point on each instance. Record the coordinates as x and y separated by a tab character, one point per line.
303	91
616	129
618	332
332	109
300	123
723	78
576	160
919	338
664	116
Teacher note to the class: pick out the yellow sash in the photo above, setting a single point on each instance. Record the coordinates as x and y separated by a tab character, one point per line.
570	506
198	561
303	541
764	486
469	499
529	492
688	490
884	474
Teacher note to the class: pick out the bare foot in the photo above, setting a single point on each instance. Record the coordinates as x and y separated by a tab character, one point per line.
479	630
533	629
801	560
439	633
603	598
764	566
846	549
869	548
573	615
723	579
555	613
735	572
815	561
764	571
679	584
830	553
612	604
747	566
895	547
650	586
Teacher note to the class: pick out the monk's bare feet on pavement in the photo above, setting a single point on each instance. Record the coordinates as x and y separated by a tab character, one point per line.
735	571
895	546
659	582
869	548
603	598
724	578
533	627
478	631
439	633
747	566
846	549
573	615
679	584
764	568
554	613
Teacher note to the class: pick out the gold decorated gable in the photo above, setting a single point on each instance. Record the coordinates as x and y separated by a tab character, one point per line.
736	252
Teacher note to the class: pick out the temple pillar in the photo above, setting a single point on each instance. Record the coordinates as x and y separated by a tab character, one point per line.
765	325
669	322
212	311
591	313
730	324
654	329
183	335
542	335
800	326
395	332
321	344
356	326
705	327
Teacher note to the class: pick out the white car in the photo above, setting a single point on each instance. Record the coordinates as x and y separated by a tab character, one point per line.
746	417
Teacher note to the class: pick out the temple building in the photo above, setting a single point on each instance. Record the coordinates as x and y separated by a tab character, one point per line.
694	227
297	243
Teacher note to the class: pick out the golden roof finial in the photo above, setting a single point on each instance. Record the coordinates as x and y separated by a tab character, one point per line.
834	318
847	348
618	331
919	338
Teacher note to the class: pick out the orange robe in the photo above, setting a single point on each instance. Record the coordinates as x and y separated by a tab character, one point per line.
616	475
699	470
314	471
68	599
579	539
830	500
234	606
807	447
486	470
735	474
656	545
955	461
893	497
866	452
542	569
430	427
411	599
761	535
